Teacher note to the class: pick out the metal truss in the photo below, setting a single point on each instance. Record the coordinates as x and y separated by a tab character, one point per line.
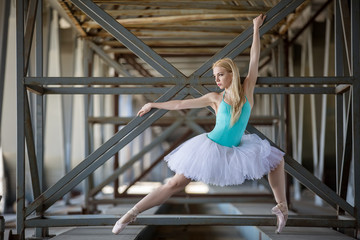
178	86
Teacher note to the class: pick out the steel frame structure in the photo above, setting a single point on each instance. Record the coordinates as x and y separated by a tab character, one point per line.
180	86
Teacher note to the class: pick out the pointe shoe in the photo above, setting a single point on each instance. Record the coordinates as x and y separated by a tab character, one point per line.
281	212
119	226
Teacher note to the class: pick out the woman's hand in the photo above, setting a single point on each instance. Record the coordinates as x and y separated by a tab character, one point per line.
258	21
145	109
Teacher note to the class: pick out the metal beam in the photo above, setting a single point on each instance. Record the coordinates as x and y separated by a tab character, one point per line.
101	80
339	98
193	220
166	121
4	27
39	139
355	60
346	155
291	90
107	90
20	110
339	137
193	199
30	146
161	90
173	80
127	38
29	31
39	114
345	20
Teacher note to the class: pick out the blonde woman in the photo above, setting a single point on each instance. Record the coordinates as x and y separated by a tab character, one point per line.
224	156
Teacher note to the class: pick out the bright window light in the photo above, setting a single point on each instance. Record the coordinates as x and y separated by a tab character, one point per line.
197	187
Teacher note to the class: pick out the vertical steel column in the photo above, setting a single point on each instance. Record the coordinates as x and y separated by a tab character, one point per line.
29	30
39	115
20	166
320	171
297	188
339	98
88	112
116	162
355	57
345	21
292	111
292	100
49	18
67	117
312	104
4	20
39	98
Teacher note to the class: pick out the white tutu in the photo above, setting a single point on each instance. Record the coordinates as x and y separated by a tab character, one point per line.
201	159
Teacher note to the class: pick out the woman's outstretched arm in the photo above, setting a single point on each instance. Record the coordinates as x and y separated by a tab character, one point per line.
208	99
250	80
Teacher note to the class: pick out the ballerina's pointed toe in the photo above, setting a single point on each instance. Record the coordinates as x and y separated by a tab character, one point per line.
281	213
119	227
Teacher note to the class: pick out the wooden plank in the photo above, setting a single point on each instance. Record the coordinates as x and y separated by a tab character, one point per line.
167	12
240	24
173	43
175	19
173	51
75	21
177	4
164	34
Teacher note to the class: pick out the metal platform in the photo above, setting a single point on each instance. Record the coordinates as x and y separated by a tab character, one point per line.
290	232
192	227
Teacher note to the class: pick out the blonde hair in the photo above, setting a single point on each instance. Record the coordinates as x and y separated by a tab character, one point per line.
236	91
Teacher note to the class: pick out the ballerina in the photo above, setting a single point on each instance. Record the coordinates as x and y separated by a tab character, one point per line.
224	156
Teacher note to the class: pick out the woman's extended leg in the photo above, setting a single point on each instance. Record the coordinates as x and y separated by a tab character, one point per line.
162	193
156	197
277	183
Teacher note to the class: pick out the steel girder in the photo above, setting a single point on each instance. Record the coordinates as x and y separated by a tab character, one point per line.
4	21
20	93
210	220
355	66
172	75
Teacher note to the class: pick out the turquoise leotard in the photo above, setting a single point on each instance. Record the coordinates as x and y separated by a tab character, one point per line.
222	133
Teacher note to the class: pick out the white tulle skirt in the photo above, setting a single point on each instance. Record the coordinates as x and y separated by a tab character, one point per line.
201	159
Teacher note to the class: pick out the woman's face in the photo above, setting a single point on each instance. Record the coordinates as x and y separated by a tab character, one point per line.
223	78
